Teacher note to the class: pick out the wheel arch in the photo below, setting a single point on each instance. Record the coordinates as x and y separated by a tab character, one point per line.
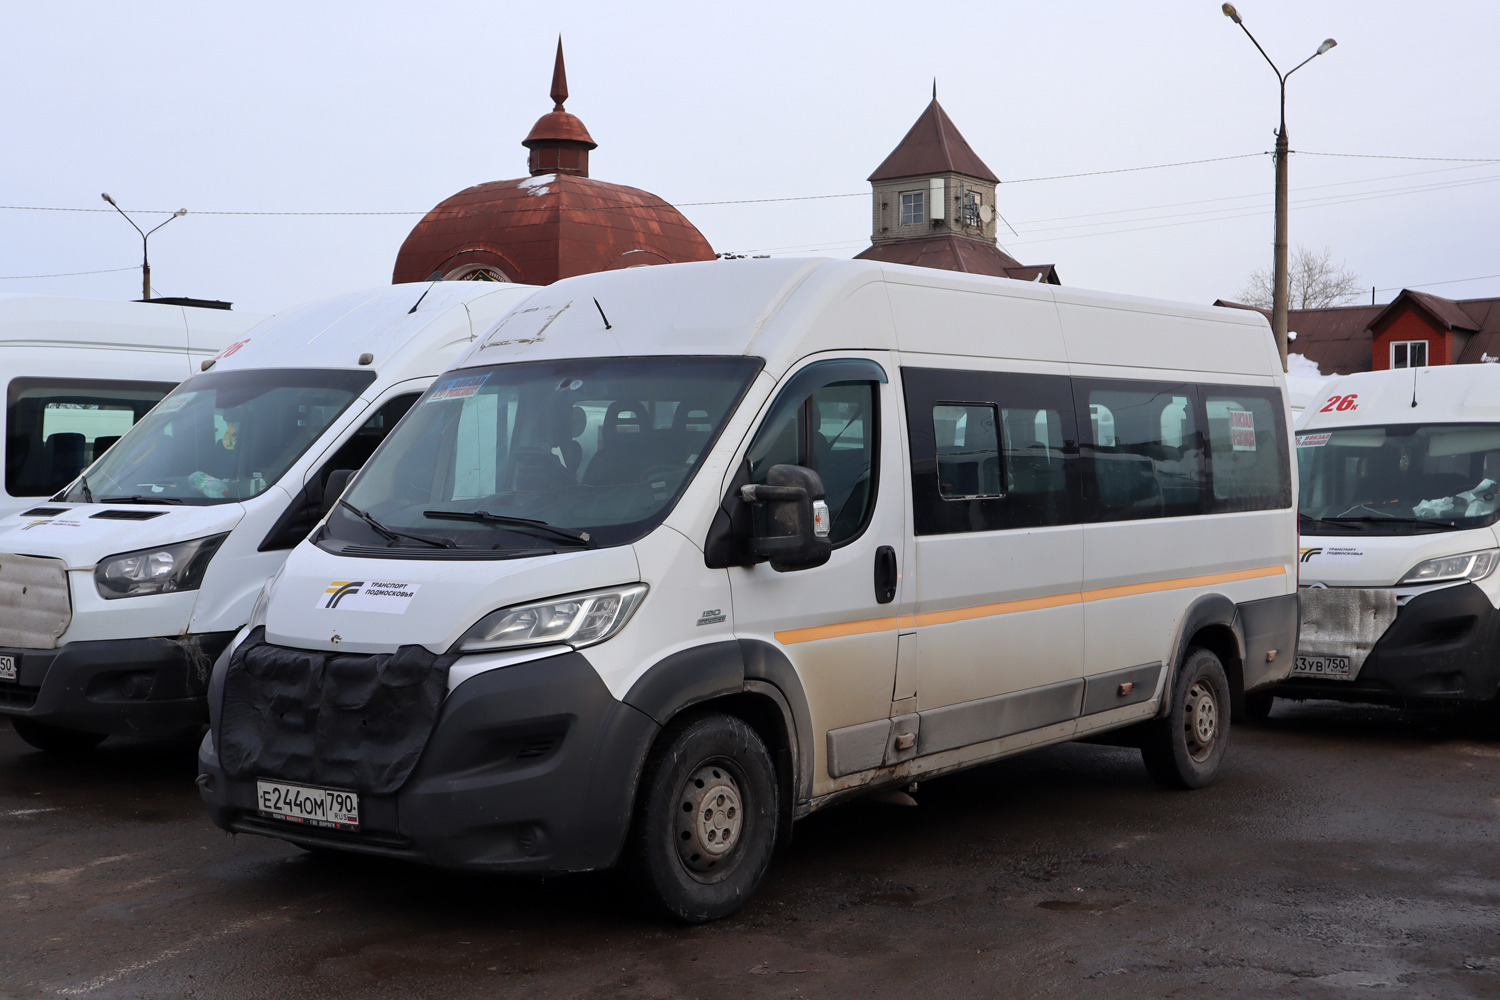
1211	622
751	680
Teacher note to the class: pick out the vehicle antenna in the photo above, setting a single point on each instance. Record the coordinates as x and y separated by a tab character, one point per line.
423	296
1413	387
602	316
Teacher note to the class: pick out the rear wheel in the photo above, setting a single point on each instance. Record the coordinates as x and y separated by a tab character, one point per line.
54	739
1184	749
706	820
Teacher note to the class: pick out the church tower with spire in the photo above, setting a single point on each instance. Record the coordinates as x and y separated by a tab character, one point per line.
934	205
556	223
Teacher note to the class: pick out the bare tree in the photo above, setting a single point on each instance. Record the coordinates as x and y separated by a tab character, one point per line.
1315	281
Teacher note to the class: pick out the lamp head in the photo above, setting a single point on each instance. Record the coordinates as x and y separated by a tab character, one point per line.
1328	43
107	198
1231	13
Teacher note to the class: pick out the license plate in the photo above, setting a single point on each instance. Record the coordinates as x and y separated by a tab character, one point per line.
326	807
1335	667
7	668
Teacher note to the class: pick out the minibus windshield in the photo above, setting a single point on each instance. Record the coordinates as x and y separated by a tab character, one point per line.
533	456
1399	478
221	436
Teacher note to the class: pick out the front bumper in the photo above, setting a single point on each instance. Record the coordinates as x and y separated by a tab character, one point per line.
121	687
530	767
1441	647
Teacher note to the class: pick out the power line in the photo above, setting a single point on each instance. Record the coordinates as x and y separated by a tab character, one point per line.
67	274
1450	281
1377	156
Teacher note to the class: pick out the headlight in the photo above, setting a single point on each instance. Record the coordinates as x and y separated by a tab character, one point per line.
1468	566
160	570
577	620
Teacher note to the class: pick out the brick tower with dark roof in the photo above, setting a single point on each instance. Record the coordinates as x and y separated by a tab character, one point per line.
556	223
934	205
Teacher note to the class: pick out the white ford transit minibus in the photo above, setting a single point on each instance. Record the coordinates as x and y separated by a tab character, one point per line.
117	594
1400	476
77	373
679	554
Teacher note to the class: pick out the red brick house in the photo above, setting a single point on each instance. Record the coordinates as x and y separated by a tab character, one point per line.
1415	330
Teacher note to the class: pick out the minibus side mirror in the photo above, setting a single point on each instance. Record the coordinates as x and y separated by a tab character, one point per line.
797	522
338	481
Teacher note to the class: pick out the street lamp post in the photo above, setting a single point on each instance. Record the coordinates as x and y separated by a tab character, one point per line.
1279	292
145	235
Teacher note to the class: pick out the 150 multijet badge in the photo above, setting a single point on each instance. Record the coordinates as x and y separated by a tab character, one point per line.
375	595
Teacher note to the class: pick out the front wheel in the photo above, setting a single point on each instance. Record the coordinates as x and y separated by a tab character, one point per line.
54	739
1184	749
706	820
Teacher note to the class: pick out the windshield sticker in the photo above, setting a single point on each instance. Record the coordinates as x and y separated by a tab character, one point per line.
458	388
357	595
1242	430
1331	554
174	403
1312	440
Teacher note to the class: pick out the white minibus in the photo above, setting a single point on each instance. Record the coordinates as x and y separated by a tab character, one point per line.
118	592
1400	477
677	555
77	373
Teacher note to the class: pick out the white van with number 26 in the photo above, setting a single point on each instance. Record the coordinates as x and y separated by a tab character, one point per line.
1400	474
677	555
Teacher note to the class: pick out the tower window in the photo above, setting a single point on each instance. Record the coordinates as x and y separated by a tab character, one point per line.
913	208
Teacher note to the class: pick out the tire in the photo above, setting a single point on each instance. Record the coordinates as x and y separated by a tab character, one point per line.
1184	749
1258	706
54	739
708	780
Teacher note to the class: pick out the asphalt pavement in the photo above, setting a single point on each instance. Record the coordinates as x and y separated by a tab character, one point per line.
1343	852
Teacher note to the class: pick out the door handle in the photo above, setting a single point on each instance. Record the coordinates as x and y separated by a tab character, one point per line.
885	574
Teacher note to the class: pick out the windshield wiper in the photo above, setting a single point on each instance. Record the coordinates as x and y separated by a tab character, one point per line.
485	517
1325	520
137	498
1444	525
392	534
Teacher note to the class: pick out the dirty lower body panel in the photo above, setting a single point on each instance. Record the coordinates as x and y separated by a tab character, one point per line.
120	687
530	767
1440	646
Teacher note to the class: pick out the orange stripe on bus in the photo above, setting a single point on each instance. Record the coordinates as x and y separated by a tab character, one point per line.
1011	607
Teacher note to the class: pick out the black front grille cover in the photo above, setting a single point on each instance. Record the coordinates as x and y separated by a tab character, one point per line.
352	721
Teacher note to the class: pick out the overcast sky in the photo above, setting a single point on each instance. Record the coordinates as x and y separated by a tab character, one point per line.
383	107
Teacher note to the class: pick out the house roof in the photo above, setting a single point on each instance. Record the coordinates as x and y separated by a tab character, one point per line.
933	146
1340	338
956	253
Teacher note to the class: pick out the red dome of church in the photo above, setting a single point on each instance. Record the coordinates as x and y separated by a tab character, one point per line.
554	224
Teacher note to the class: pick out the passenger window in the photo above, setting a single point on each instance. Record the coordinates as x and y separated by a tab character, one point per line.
968	450
1003	462
1247	449
56	428
833	432
1145	447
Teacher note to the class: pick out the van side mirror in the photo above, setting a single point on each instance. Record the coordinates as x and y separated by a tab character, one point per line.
797	521
338	481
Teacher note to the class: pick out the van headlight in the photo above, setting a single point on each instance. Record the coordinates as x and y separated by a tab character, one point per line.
160	570
577	620
1467	566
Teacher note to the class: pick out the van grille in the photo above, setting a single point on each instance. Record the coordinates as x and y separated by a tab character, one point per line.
35	609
